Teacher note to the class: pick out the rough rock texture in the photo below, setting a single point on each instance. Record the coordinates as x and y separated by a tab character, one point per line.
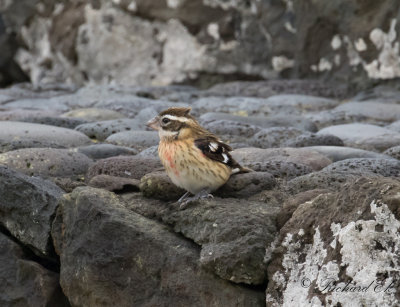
47	162
135	139
393	152
69	123
93	114
159	186
312	139
27	207
279	169
124	166
137	261
114	184
25	282
274	137
364	136
340	244
102	151
15	135
341	153
295	155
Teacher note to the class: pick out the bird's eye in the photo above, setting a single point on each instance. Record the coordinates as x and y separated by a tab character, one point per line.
166	120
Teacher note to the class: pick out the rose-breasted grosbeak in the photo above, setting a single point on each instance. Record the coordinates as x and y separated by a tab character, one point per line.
194	158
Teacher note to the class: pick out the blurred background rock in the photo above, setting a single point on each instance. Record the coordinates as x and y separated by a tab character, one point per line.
198	42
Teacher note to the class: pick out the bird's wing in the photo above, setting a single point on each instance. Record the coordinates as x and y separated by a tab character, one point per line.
214	149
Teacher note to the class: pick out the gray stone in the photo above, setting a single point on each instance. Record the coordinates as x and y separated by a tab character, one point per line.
69	123
393	152
303	103
26	283
364	136
380	93
15	135
27	207
47	162
93	114
246	185
103	129
336	153
395	126
312	139
38	104
134	139
114	184
302	156
371	110
102	151
279	169
263	122
348	235
233	237
227	127
158	185
151	152
274	137
141	248
21	114
125	166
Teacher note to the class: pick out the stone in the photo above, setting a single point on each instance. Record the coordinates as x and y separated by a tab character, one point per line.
279	169
47	162
69	123
141	248
380	93
93	114
159	186
151	152
279	120
27	207
27	282
274	137
384	167
337	153
312	139
395	126
38	104
393	152
246	185
21	114
102	151
302	156
16	135
303	103
371	110
227	127
114	184
135	139
103	129
124	166
339	243
364	136
233	236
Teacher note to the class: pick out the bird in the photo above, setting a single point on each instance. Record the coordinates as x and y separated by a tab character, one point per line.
194	158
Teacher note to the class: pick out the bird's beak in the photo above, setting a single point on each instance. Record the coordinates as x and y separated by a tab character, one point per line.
153	123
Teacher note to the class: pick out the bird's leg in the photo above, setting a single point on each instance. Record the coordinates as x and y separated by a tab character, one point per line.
202	194
184	196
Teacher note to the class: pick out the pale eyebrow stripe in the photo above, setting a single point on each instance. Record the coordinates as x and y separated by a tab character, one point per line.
178	118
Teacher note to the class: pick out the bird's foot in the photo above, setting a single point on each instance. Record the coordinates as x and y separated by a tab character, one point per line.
201	195
184	196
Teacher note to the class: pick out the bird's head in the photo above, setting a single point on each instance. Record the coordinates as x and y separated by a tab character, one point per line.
174	123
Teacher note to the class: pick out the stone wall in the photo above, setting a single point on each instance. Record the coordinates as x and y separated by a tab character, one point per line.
201	42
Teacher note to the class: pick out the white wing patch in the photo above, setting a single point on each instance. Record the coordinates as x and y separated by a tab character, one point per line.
213	146
226	158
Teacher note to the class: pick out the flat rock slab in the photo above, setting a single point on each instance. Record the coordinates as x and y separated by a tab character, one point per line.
111	255
103	129
302	156
16	135
371	110
278	120
301	102
26	283
57	121
135	139
38	104
347	236
93	114
364	136
125	166
21	114
47	162
337	153
27	207
102	151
